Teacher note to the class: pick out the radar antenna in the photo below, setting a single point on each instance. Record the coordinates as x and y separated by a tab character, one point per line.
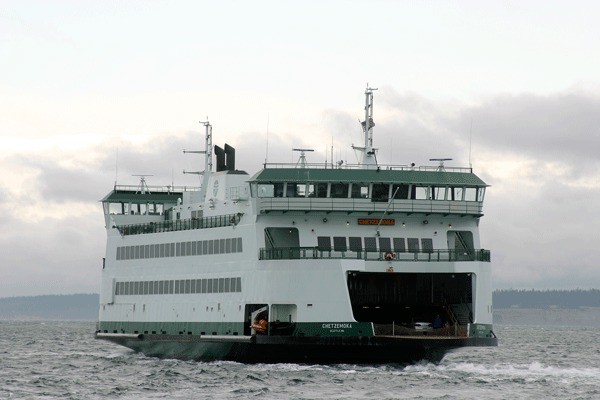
441	161
302	159
143	187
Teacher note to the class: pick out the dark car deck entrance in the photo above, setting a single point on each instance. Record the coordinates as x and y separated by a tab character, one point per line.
401	300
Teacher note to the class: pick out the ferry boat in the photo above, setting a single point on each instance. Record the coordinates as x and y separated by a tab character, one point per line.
310	263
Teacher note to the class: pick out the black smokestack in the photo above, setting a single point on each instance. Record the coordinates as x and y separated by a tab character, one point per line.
220	153
230	154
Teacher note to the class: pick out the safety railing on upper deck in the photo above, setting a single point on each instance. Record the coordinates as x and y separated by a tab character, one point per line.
294	253
360	166
267	204
156	189
217	221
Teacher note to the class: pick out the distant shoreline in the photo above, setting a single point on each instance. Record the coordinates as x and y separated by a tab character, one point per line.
71	307
514	307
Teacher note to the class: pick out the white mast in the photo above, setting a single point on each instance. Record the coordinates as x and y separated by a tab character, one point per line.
207	160
369	159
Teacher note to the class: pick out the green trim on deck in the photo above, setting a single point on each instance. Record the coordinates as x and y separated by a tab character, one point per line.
307	329
129	196
436	178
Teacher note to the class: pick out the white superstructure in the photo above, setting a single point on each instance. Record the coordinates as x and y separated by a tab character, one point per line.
354	251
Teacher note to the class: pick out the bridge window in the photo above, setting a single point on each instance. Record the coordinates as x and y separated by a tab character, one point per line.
317	190
438	193
114	208
270	190
321	189
296	190
470	194
339	190
400	191
266	190
456	193
420	192
360	190
381	192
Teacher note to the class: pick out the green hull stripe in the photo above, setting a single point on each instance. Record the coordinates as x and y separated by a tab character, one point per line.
236	328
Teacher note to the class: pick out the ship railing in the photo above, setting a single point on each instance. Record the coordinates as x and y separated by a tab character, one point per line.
294	253
399	329
382	167
156	189
216	221
268	204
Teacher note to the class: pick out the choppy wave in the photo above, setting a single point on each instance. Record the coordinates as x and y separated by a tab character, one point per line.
61	360
533	369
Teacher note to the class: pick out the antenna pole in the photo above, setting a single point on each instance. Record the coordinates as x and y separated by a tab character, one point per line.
332	152
470	144
207	160
369	160
117	167
267	149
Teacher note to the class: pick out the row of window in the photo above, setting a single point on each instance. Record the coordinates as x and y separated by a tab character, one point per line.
375	191
355	243
215	221
181	286
180	249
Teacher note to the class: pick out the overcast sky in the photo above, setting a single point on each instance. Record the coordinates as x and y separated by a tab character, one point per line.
96	91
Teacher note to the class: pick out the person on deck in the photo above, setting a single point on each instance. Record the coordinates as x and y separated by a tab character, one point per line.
260	324
437	322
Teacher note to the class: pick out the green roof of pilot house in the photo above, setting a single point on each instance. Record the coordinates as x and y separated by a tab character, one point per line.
428	177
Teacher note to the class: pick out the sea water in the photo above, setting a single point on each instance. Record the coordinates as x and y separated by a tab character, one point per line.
62	360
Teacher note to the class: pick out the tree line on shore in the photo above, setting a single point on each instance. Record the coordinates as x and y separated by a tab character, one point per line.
533	298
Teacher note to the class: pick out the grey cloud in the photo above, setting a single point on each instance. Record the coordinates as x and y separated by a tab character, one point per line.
562	127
